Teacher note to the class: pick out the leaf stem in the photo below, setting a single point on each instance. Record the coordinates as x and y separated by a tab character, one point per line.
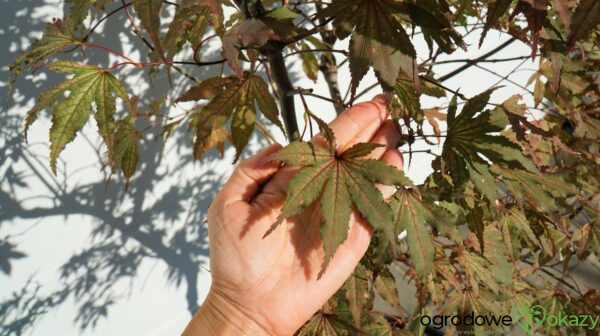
112	51
309	92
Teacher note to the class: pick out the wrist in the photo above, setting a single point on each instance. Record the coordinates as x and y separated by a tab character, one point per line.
219	317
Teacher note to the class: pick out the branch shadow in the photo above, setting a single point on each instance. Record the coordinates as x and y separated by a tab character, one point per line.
160	217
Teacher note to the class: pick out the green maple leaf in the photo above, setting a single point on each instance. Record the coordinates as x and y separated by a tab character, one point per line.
149	13
357	292
471	137
188	24
432	17
385	283
341	179
539	189
310	64
413	214
515	228
378	37
79	10
88	85
56	37
238	99
126	148
407	106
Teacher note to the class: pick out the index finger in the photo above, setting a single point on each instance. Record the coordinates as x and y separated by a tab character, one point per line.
357	124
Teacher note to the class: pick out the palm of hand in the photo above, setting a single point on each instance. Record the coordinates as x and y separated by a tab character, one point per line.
277	279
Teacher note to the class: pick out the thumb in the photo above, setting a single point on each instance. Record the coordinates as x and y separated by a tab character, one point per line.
249	175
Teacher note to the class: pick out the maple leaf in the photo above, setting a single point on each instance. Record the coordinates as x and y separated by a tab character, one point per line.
535	12
341	179
432	17
385	283
471	137
375	324
189	24
357	292
407	106
126	148
588	239
495	10
232	98
584	20
378	38
56	37
310	64
149	14
413	214
562	8
247	33
89	84
432	115
539	189
514	227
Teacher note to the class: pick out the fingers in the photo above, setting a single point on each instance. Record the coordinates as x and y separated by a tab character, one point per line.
373	127
387	135
394	158
358	123
249	175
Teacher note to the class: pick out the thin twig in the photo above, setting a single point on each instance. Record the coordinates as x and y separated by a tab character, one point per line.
475	61
365	91
458	94
316	50
482	57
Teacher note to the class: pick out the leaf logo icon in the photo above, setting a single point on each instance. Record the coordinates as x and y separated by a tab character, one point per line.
530	319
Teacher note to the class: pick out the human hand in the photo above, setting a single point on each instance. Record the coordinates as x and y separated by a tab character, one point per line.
271	285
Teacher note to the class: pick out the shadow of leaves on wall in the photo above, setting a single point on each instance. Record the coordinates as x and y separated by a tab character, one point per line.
160	218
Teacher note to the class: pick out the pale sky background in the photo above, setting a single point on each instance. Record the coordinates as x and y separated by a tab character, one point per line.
152	306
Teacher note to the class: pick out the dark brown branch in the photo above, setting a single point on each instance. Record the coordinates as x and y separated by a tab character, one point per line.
328	65
478	59
281	78
284	89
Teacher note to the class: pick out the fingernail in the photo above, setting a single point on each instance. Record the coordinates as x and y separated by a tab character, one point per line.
380	98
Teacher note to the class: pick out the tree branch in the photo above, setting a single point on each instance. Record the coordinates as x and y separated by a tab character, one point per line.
329	68
281	78
284	90
478	59
475	61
